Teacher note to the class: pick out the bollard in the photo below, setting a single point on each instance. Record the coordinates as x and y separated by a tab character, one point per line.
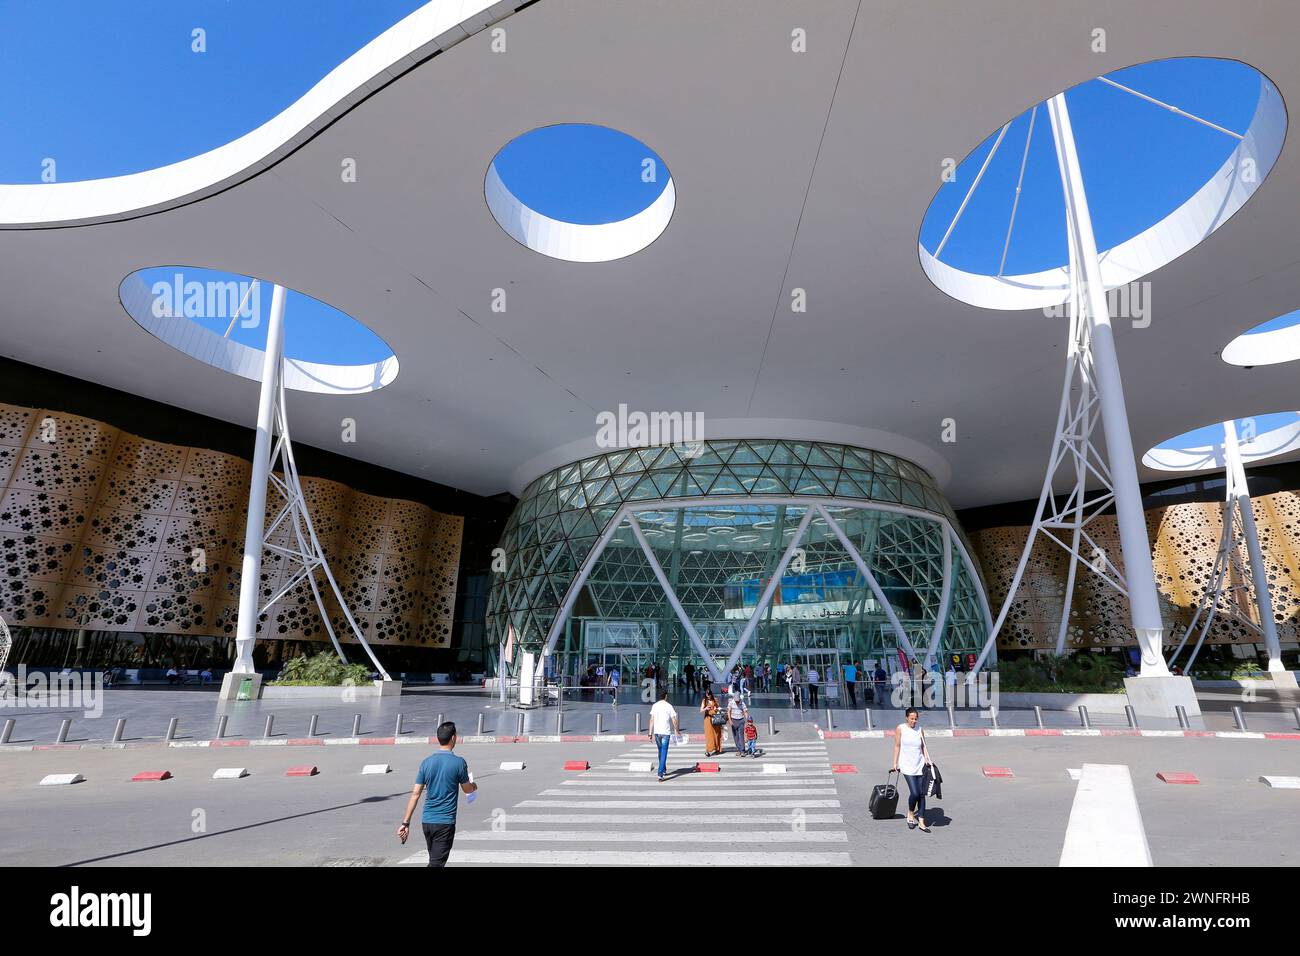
270	724
993	714
356	725
438	724
479	730
952	715
1131	714
559	723
119	730
638	724
1239	718
221	725
311	727
519	726
397	731
1083	717
1294	710
868	712
1038	715
1182	717
830	722
171	729
7	732
63	731
771	726
600	724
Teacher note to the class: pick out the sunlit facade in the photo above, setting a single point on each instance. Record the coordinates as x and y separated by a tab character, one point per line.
735	551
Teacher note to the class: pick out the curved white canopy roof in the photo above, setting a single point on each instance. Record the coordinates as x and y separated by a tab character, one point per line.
791	171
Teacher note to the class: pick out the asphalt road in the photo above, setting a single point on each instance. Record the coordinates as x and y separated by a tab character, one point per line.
616	814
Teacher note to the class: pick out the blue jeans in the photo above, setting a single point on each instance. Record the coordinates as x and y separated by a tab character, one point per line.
916	793
661	741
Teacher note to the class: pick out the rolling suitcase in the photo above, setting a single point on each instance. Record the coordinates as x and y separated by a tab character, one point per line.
884	798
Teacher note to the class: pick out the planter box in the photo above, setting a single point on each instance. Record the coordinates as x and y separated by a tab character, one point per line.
1096	703
379	688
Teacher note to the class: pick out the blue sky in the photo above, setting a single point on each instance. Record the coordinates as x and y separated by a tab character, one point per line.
1272	325
124	92
1140	162
313	331
108	87
1213	434
577	172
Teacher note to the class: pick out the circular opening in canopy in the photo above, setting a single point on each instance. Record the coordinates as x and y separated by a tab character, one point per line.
1169	151
1269	343
1259	437
580	192
221	318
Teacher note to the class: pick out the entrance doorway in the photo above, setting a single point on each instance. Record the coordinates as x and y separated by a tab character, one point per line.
824	647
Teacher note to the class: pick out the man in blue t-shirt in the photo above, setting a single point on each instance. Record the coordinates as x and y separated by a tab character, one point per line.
442	774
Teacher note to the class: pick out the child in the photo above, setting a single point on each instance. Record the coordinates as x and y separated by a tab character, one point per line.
751	737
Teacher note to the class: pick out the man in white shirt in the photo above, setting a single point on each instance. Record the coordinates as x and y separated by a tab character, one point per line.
813	678
663	726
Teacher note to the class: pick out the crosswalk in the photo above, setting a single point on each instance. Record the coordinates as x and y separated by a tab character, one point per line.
612	815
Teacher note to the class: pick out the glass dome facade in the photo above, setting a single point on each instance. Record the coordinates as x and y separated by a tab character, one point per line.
744	551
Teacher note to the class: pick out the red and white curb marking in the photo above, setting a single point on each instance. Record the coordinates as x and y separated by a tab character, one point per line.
1031	732
641	738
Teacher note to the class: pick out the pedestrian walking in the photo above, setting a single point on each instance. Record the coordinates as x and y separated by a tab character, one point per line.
663	727
911	757
442	775
714	721
690	678
792	679
813	678
850	682
736	713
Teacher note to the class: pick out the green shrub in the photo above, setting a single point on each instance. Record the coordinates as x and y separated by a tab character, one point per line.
1072	674
322	670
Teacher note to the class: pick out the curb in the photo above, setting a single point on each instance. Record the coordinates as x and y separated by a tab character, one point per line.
634	738
332	742
1033	732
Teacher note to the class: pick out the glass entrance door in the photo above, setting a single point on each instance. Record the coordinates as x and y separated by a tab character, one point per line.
822	647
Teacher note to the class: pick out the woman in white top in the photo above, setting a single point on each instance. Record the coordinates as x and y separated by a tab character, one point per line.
911	756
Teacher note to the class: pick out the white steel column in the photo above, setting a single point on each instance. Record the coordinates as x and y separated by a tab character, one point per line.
672	597
251	570
945	598
772	583
1139	574
870	578
1263	598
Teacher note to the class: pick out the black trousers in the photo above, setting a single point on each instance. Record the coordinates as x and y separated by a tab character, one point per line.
439	837
853	696
812	696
